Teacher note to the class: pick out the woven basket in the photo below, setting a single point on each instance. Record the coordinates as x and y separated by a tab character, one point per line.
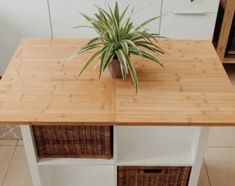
73	141
153	176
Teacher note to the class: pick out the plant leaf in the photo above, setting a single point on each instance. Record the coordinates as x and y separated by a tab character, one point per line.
125	47
80	50
149	47
116	12
108	61
89	61
87	17
132	72
132	44
83	26
146	22
122	60
107	55
114	21
148	56
94	40
124	13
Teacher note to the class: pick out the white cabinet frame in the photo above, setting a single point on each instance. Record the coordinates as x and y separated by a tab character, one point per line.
197	139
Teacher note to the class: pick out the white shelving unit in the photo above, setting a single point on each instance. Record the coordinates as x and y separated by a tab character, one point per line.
133	146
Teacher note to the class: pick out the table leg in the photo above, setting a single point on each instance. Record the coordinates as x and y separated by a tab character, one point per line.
31	154
198	147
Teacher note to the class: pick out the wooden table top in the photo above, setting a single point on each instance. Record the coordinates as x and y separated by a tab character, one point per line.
192	89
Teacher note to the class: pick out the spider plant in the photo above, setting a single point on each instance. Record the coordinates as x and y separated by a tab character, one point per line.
118	38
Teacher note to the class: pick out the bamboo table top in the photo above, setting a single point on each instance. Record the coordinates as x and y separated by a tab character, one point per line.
192	89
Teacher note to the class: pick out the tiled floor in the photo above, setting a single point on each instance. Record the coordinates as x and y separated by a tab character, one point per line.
219	158
218	168
13	167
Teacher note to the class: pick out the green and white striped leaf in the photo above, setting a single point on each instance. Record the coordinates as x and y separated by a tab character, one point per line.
89	61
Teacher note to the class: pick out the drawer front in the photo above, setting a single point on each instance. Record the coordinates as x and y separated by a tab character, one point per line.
152	176
145	9
73	141
190	5
65	15
188	25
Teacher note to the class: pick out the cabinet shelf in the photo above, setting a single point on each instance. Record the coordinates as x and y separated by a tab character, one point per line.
74	175
156	146
229	60
75	161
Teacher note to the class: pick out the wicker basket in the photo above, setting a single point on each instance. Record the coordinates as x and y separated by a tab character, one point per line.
153	176
74	141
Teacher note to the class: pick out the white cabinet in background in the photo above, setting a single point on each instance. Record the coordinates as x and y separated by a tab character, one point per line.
186	19
190	5
145	9
18	19
188	26
65	14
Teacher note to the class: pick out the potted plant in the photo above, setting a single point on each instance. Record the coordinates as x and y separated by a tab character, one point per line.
118	39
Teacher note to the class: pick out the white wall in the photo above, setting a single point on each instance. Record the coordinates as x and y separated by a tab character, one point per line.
65	14
18	19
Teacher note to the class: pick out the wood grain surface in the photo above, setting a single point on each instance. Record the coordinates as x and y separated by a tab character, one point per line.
229	10
192	89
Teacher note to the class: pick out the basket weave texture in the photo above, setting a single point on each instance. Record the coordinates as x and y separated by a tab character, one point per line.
153	176
73	141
